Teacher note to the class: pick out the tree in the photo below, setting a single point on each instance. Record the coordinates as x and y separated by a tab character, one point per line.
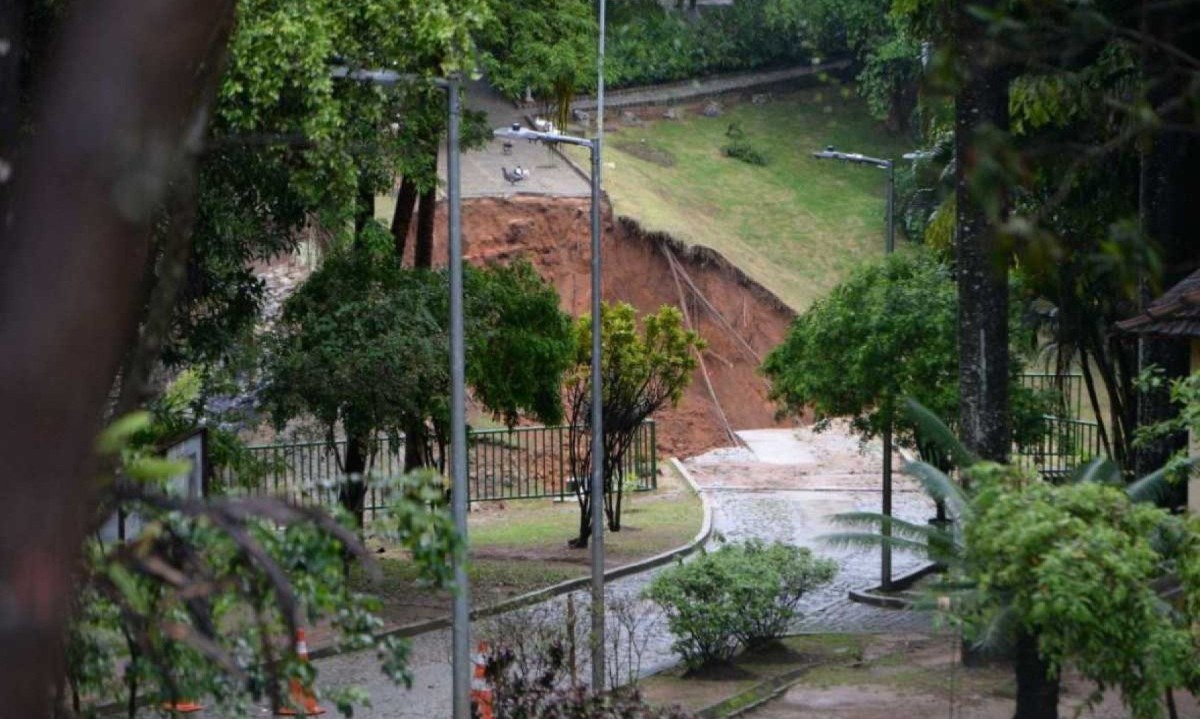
884	333
542	47
1063	574
363	347
640	373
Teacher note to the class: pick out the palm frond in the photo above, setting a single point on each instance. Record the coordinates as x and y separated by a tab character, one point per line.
940	487
869	540
1100	470
930	428
877	521
1156	486
997	634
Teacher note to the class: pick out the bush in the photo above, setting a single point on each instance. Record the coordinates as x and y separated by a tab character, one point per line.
740	595
744	151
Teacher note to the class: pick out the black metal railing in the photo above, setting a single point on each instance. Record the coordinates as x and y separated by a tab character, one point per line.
502	464
1067	388
1066	444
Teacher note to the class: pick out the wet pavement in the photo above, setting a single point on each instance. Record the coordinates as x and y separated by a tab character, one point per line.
771	500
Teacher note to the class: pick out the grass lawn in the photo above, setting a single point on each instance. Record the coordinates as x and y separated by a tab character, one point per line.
796	225
517	547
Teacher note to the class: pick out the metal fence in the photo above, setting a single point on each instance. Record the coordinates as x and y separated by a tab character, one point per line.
502	464
1066	444
1067	388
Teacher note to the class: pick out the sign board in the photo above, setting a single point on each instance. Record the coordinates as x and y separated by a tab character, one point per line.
193	484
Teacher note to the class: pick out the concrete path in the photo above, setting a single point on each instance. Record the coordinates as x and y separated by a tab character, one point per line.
754	493
549	174
692	90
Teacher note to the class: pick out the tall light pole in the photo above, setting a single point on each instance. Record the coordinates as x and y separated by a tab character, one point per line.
889	241
596	488
461	631
597	638
889	246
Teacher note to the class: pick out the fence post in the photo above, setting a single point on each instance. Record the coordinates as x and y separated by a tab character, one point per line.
653	455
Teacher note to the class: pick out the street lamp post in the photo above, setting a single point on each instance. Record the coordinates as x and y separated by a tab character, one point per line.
517	132
461	630
889	246
829	153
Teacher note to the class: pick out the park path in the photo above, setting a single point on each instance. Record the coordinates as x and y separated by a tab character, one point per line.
784	487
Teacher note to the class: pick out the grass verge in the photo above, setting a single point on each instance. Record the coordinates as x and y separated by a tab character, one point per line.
797	224
521	546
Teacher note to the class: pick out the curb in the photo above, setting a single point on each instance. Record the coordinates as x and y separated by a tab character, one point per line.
875	597
755	696
508	605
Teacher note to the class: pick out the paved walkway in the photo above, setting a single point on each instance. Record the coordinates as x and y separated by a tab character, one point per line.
690	90
755	495
482	174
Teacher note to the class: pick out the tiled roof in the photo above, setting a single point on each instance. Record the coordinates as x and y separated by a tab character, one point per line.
1175	314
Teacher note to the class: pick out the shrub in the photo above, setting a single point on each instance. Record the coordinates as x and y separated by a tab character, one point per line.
547	692
740	595
744	151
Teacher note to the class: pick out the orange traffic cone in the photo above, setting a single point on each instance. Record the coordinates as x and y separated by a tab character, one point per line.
481	693
301	696
181	707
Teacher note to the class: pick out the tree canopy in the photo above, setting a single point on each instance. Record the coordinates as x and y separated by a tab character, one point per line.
886	332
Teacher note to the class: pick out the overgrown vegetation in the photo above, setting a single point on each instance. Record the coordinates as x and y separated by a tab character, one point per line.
742	595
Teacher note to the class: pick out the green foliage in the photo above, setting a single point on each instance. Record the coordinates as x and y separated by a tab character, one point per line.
363	345
888	331
739	148
1077	565
204	601
546	46
640	373
740	595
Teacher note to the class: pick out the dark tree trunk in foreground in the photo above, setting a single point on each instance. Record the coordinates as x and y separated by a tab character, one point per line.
12	13
406	203
119	93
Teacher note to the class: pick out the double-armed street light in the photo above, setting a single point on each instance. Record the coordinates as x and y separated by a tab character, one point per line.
859	159
885	553
518	132
461	628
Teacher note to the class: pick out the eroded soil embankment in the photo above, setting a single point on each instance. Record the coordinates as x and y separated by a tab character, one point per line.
740	320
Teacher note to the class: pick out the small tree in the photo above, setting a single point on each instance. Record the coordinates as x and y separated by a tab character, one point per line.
363	347
1062	574
888	331
641	372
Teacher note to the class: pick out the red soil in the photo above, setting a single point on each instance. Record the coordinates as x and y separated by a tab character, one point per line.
554	235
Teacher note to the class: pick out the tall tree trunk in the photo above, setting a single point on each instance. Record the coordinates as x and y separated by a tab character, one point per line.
1037	691
406	204
426	213
981	104
416	438
353	491
364	208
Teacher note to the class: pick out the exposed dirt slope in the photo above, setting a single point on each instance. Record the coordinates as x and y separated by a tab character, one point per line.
740	320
